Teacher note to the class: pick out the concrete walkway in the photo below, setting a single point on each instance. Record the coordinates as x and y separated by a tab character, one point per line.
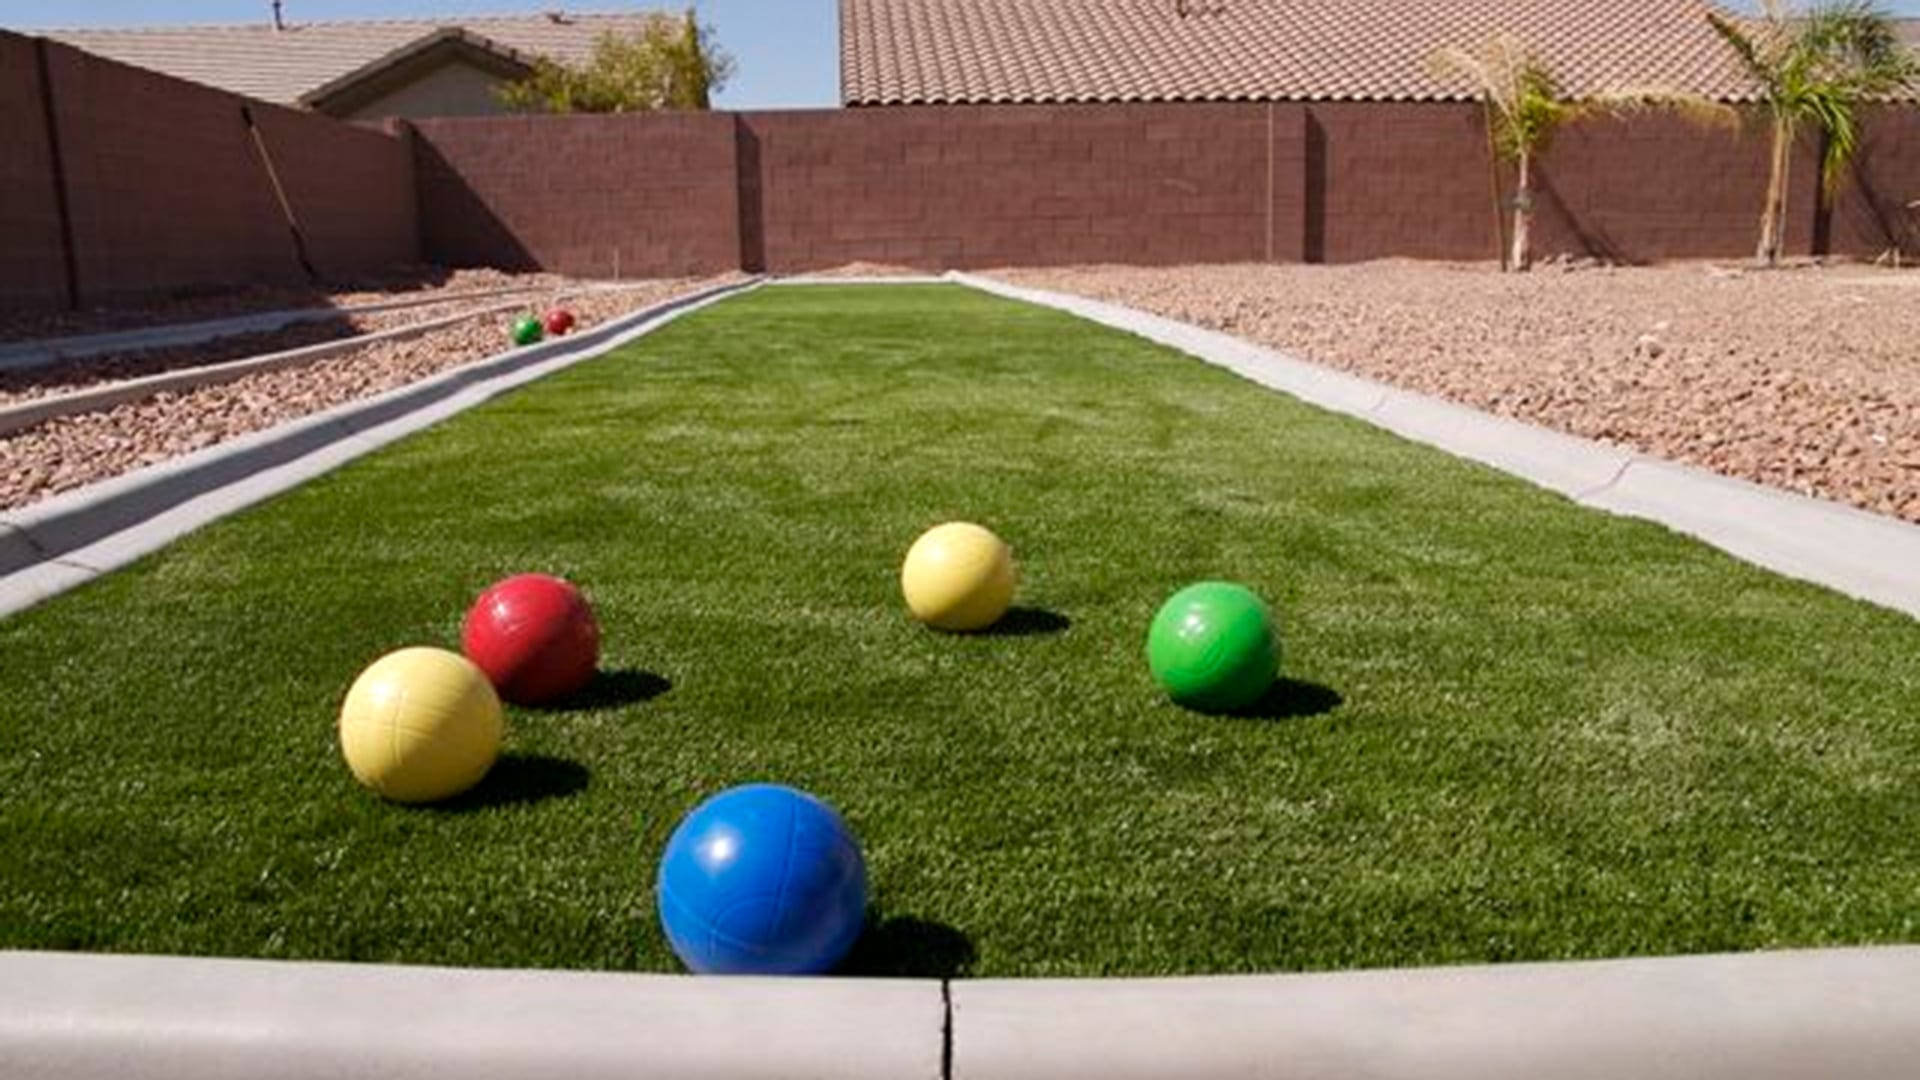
1865	556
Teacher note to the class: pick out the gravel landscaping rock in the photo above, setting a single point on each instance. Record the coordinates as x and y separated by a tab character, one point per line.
69	375
404	283
72	451
1805	378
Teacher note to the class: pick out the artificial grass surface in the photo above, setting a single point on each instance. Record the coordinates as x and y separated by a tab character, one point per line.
1515	729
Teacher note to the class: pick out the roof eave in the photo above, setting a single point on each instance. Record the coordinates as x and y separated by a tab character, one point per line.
344	86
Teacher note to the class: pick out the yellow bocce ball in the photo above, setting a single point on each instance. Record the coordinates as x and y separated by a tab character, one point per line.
420	725
958	576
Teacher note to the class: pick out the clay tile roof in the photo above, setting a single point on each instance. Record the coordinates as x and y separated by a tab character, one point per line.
291	66
895	52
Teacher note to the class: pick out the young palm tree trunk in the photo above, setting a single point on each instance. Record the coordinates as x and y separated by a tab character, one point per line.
1493	174
1773	218
1522	214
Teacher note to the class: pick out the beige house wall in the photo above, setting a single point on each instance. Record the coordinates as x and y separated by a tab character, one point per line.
454	88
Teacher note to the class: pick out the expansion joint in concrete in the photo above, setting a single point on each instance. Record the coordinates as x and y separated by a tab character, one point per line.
1600	489
946	1029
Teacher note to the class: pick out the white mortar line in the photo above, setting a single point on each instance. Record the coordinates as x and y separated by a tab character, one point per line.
53	545
1866	556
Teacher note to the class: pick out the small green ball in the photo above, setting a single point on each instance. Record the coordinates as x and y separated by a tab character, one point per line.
1213	648
527	331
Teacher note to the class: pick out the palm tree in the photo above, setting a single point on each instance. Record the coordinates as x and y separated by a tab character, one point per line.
1524	108
1814	70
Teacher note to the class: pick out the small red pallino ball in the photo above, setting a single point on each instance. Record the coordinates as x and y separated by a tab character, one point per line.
559	321
534	636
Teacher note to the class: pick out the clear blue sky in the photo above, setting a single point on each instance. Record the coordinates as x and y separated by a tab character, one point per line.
788	50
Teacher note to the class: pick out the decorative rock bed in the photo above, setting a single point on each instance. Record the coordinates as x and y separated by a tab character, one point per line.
1805	378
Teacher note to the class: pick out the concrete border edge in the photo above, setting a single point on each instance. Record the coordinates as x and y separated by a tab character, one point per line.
1852	1012
106	525
97	398
91	1016
39	352
1865	556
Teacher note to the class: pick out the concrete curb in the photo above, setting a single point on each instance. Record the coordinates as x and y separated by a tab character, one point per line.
39	352
53	545
82	1017
1851	1013
1865	556
95	398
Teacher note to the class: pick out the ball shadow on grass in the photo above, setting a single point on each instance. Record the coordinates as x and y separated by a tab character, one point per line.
1289	699
611	689
1028	622
902	946
519	779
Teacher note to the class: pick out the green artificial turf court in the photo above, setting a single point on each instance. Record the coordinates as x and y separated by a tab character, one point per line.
1512	728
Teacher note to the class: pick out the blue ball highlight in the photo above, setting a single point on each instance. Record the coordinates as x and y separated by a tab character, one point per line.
762	880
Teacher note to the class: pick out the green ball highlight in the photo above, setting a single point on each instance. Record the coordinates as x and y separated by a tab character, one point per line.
1212	647
527	331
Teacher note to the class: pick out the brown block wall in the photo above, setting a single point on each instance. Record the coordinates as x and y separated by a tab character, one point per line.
632	195
168	193
967	186
1654	187
1389	180
1870	213
1021	185
32	268
1394	179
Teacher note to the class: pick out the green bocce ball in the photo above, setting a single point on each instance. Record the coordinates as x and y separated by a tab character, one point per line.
1212	647
527	331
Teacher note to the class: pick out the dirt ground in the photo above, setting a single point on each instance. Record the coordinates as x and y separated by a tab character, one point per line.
1806	378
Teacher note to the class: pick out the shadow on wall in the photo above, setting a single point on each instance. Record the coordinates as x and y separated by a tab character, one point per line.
1874	217
457	227
1592	239
753	227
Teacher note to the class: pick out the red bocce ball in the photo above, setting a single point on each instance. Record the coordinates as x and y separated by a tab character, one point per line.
559	321
534	636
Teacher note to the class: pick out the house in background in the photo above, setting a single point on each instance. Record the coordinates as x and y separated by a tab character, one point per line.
979	52
363	70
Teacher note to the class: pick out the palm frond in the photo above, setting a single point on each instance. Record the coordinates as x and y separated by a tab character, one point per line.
1834	113
1743	46
1521	97
1696	109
